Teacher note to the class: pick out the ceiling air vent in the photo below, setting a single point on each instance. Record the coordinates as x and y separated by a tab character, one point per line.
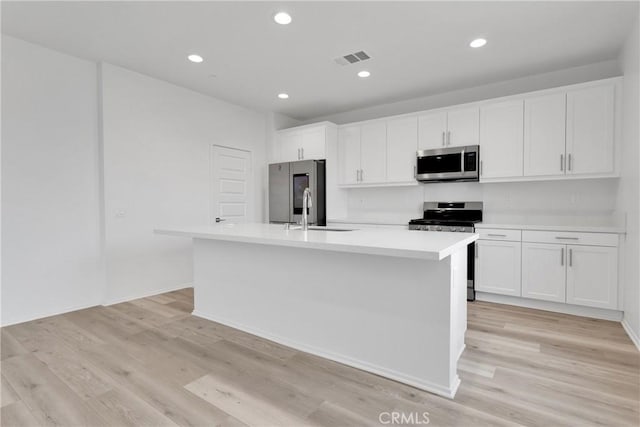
352	58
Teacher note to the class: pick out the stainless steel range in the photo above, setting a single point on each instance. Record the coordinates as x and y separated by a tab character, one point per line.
453	217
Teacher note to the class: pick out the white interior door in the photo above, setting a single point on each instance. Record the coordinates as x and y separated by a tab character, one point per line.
231	184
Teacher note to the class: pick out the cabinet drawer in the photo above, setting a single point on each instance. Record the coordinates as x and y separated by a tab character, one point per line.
570	238
499	234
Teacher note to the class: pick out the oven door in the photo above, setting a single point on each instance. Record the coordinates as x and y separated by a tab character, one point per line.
448	164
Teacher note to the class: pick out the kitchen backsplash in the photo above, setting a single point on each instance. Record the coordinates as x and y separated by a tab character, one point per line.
588	198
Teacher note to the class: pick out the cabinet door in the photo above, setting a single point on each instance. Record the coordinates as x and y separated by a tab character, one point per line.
592	276
373	152
313	144
544	135
288	147
463	126
349	154
432	130
402	144
501	139
498	267
590	130
543	271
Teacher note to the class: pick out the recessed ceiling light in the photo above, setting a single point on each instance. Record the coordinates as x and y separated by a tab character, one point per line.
195	58
283	96
282	18
478	43
364	73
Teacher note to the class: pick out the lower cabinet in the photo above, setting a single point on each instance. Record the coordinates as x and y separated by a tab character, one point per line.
543	271
564	267
575	274
498	267
592	276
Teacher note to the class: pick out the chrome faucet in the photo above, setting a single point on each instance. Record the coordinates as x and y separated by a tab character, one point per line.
306	203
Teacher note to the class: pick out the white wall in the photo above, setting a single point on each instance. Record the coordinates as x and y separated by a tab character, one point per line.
600	70
51	252
629	190
157	138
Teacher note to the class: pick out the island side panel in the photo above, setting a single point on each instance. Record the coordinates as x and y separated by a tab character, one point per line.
387	315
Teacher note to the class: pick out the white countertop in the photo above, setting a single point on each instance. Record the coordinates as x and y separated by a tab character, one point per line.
595	224
398	243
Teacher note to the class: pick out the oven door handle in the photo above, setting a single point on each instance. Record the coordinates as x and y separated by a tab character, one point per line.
462	161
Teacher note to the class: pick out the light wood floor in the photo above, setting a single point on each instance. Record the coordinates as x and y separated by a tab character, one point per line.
148	362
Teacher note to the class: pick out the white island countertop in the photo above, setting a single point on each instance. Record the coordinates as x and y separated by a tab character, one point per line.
396	243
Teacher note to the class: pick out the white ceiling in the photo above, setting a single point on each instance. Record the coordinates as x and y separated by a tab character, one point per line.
417	48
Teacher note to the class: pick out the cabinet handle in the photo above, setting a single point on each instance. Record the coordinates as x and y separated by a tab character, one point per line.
570	257
480	167
443	142
569	161
298	154
415	172
562	256
448	137
567	238
561	162
302	153
496	235
361	175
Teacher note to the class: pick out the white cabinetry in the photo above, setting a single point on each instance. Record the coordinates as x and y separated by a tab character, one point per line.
457	127
562	133
592	276
544	135
543	271
498	266
373	150
302	143
590	130
349	154
576	268
501	139
402	144
362	153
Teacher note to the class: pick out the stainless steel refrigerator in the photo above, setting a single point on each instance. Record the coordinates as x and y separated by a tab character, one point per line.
287	182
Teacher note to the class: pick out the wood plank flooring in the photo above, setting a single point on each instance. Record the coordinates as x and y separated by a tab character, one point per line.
150	363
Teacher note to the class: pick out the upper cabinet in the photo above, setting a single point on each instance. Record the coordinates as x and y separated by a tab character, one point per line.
349	155
544	135
362	153
402	144
562	133
501	136
302	143
590	130
456	127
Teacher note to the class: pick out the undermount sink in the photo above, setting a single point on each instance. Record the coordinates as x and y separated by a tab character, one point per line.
315	228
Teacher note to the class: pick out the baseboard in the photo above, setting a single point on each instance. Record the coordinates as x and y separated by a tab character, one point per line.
147	294
345	360
43	315
576	310
632	335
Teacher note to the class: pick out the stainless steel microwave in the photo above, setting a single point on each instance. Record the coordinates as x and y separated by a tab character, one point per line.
448	164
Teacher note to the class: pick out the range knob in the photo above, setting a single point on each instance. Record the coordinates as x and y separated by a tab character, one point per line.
438	228
453	229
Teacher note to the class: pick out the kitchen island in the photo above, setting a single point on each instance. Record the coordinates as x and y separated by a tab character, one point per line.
391	302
